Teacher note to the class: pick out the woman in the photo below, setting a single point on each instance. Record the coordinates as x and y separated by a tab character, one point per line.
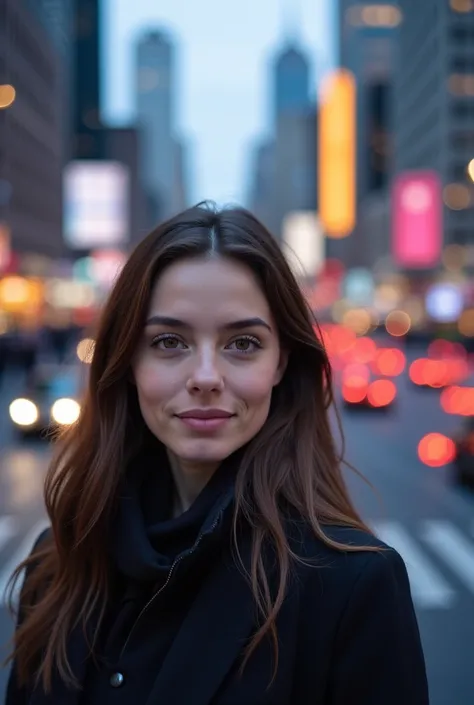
203	547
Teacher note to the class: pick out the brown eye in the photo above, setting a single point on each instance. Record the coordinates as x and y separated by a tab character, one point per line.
170	343
246	344
167	342
242	344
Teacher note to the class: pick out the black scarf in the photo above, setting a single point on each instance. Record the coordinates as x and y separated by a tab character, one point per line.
145	538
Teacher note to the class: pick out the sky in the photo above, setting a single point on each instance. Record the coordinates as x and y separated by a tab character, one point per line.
223	93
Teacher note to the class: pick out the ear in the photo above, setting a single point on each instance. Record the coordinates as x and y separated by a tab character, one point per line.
282	365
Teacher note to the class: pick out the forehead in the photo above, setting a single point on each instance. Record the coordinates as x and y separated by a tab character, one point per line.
215	286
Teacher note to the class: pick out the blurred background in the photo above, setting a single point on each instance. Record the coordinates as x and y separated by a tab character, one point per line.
348	128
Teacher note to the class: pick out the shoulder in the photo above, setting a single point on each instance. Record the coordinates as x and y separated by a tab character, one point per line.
356	605
338	583
347	558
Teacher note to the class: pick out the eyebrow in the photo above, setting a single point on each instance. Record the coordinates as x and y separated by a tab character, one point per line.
233	325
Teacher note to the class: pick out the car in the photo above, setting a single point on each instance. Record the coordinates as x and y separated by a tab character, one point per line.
463	462
51	399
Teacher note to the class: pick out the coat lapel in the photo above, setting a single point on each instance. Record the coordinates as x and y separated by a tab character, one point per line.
222	618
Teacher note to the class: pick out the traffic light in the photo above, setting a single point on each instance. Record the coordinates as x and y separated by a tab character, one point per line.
337	154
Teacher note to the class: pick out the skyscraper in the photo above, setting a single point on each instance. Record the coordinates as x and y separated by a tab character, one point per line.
435	105
89	140
294	185
368	44
155	87
283	178
57	18
261	190
30	135
291	76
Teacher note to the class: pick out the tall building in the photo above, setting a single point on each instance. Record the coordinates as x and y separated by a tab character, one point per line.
57	19
260	196
31	140
181	187
294	179
122	145
368	47
89	140
435	104
156	114
284	165
291	76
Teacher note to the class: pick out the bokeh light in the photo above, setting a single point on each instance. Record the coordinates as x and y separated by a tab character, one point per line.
358	319
381	393
457	197
65	411
458	400
7	96
389	362
436	450
462	5
23	412
397	323
466	323
85	350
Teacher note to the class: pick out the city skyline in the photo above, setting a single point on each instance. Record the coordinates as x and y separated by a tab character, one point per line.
219	119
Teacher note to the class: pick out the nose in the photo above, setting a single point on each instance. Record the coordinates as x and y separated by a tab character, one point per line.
205	375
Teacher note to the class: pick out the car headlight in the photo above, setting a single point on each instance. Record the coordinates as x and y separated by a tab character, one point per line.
65	411
23	412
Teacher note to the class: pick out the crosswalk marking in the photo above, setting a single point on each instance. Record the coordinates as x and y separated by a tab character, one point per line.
451	546
8	529
429	588
18	556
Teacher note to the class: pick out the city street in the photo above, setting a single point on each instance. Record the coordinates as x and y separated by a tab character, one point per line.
416	509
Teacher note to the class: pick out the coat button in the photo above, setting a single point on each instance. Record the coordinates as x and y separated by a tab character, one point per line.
116	680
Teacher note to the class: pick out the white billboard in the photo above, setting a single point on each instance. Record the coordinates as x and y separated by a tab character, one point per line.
303	243
96	204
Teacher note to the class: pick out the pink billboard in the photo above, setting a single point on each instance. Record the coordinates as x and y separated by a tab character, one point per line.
417	218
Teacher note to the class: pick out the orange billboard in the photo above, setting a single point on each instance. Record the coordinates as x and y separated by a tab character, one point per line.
337	154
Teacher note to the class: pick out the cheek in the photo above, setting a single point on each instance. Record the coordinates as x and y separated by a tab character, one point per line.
152	385
257	386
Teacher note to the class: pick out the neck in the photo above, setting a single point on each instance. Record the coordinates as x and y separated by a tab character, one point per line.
189	479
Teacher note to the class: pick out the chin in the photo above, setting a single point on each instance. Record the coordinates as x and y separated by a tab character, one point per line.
203	451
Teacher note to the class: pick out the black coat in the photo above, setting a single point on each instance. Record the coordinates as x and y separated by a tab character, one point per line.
348	635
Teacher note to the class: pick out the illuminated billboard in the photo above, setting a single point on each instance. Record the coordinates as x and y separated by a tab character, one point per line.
417	219
96	204
337	154
303	243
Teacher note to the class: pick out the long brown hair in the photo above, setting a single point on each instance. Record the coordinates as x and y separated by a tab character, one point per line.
293	460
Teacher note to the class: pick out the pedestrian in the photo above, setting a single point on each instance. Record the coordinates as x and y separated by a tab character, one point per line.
203	546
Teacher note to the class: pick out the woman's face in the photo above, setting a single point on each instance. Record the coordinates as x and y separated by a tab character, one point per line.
208	361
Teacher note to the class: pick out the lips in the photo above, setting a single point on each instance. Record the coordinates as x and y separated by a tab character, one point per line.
205	414
205	421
